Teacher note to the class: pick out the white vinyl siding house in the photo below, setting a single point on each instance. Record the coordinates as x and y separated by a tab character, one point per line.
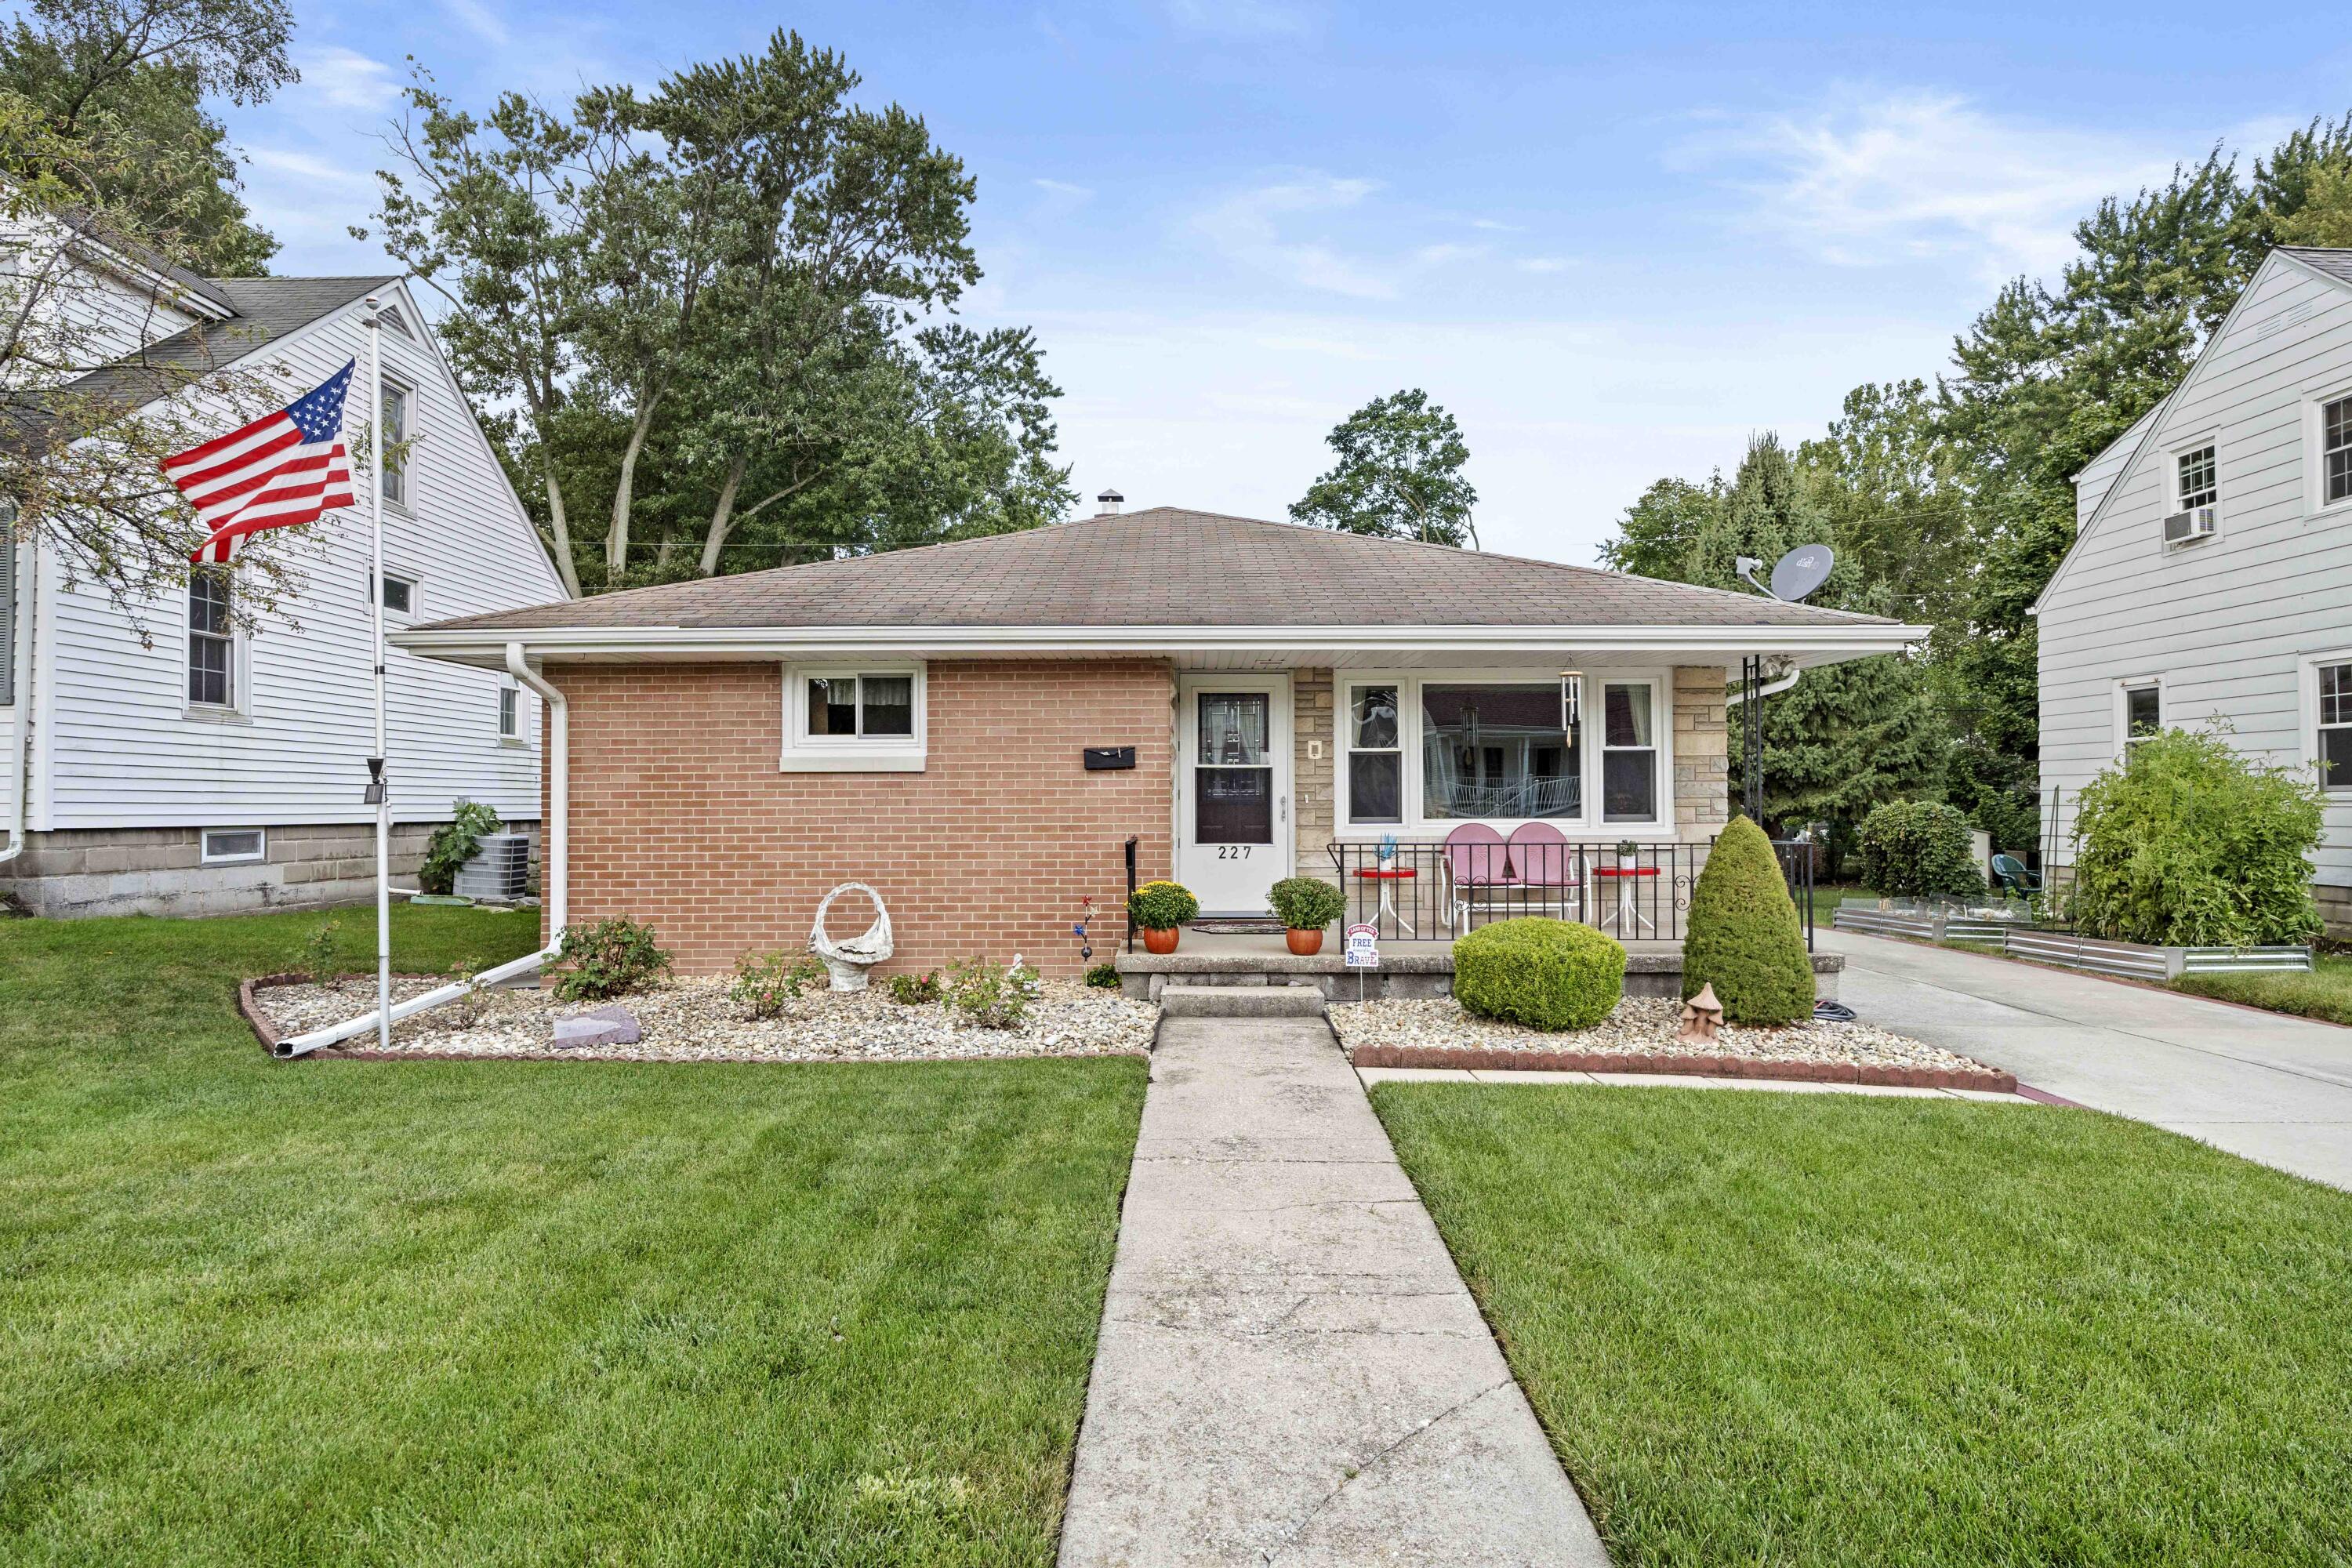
202	726
2249	623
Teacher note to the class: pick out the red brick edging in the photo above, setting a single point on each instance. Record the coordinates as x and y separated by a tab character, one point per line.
1989	1079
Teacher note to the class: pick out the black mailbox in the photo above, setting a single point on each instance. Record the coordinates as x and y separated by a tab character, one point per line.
1107	759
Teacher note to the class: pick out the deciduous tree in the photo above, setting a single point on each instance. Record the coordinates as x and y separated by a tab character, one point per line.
1398	474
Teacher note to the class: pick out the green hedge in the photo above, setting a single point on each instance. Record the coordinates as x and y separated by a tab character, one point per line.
1546	974
1743	937
1918	849
2190	844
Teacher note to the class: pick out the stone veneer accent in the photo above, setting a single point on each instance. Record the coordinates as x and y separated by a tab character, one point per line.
1702	747
159	870
1314	801
2335	907
1702	753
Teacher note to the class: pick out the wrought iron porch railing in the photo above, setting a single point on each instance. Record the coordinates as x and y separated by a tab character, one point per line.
1434	892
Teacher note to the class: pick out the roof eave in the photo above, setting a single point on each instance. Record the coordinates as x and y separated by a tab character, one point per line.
487	645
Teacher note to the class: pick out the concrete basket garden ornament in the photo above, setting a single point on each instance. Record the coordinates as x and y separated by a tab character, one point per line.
847	962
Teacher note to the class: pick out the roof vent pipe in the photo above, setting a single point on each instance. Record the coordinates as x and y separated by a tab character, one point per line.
1107	504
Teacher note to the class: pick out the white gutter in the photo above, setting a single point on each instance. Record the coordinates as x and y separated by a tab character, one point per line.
559	870
28	601
486	646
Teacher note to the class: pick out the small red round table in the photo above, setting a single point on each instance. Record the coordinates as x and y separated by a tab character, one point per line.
1387	877
1626	908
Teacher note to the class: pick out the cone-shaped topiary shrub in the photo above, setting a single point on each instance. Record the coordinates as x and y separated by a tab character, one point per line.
1545	973
1743	937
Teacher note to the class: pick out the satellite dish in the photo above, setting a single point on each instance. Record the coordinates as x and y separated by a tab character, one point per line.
1802	572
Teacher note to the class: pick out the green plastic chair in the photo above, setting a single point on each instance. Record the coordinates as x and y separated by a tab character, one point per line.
2010	873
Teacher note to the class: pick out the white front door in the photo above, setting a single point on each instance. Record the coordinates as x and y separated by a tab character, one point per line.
1232	794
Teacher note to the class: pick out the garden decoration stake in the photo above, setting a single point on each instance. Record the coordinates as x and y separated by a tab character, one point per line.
1702	1016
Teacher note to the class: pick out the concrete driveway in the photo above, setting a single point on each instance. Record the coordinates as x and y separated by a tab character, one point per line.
2269	1086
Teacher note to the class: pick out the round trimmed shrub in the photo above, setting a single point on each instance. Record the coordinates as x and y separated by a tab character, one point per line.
1743	936
1163	905
1545	973
1919	850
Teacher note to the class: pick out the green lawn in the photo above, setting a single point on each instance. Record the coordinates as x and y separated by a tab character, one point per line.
1814	1328
2325	992
315	1312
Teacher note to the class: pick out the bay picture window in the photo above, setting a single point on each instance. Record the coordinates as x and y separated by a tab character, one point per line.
1496	750
1420	753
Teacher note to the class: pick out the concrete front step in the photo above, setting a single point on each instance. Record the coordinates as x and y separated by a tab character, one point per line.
1241	1000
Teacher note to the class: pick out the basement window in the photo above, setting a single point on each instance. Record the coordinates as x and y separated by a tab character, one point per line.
234	845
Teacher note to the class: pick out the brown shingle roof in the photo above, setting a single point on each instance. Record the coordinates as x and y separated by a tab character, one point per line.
1170	567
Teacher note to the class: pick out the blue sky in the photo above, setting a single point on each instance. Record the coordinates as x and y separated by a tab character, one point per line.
1614	241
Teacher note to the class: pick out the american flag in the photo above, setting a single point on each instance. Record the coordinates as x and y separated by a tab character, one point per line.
283	468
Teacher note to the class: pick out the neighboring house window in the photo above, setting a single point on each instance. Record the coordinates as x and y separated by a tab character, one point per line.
1375	756
7	603
854	719
1629	753
2334	742
399	594
1496	750
2335	451
2142	708
231	845
212	640
2198	482
395	431
510	713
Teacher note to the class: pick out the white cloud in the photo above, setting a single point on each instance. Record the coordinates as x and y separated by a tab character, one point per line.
1924	176
478	19
1255	228
1543	264
345	78
1063	189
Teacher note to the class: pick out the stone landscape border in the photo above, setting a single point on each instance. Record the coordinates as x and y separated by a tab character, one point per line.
257	1019
1491	1059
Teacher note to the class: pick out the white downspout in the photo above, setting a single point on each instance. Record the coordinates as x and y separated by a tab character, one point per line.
1733	699
28	606
559	869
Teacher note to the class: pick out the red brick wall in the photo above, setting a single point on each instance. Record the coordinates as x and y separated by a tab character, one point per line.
681	818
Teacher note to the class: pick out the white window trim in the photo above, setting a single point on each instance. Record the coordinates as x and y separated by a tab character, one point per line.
239	707
2176	449
2119	711
2314	469
1589	749
204	847
405	505
805	754
2340	791
508	688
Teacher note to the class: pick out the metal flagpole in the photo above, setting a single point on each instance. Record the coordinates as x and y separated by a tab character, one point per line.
378	786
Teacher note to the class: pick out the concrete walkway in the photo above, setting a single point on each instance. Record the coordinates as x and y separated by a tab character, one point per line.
2269	1086
1291	1370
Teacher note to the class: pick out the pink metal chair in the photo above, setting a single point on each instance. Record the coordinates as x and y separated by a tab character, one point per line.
1547	869
1476	859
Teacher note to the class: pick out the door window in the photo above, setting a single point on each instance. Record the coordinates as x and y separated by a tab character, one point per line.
1233	780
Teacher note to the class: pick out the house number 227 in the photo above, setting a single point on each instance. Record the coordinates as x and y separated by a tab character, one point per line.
1234	851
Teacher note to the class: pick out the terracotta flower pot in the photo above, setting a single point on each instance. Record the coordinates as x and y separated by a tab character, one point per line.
1305	944
1159	940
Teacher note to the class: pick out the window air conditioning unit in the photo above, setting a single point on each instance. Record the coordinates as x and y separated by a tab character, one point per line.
499	870
2189	527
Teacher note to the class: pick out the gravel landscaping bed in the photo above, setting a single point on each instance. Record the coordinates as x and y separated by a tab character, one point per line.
692	1020
1639	1037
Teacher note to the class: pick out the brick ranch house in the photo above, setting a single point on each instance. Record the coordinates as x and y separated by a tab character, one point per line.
978	729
